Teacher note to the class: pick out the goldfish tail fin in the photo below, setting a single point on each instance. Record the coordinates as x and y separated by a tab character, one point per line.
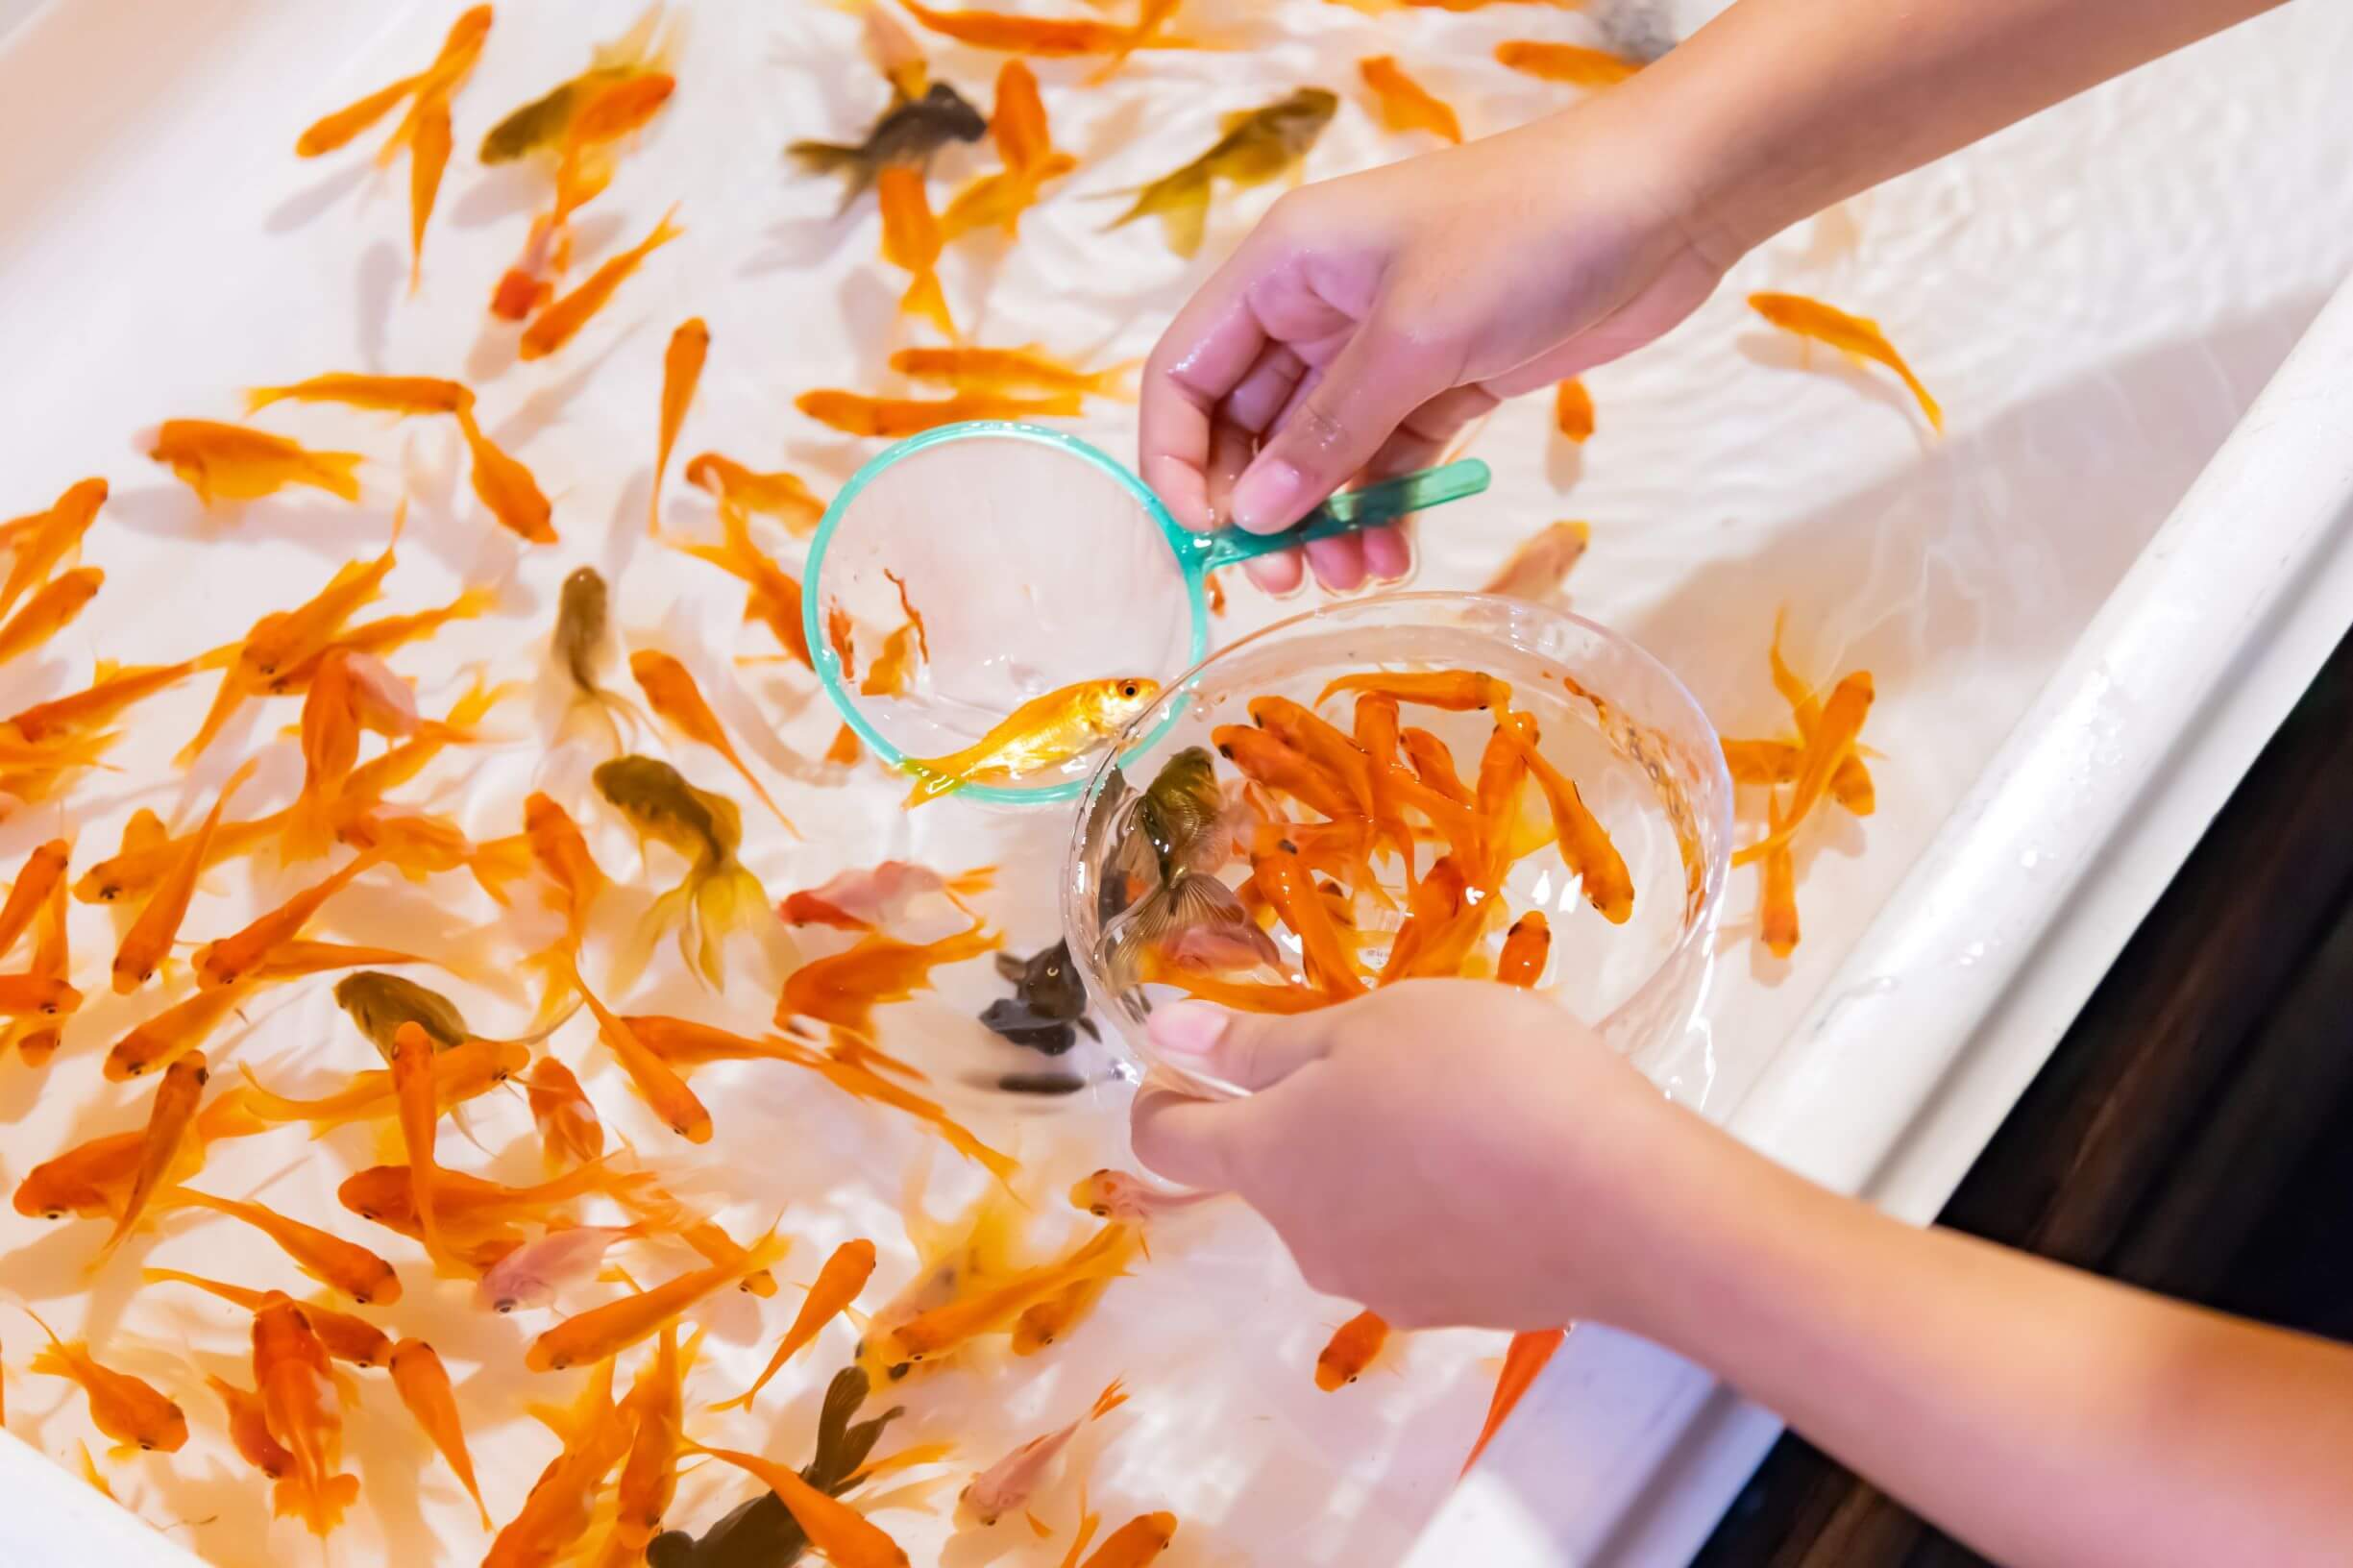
924	298
1116	382
499	863
338	474
930	783
725	898
669	912
1109	1400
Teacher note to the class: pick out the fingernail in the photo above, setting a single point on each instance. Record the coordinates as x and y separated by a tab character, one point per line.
1188	1028
1266	497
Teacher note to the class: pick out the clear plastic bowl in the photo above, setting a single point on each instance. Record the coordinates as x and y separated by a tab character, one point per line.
1611	717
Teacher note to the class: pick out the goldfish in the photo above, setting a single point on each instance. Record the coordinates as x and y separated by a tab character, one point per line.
23	995
334	129
717	895
1278	766
853	413
1434	764
178	1029
894	52
994	1303
380	1004
1851	782
1584	844
1254	147
561	852
506	487
838	1283
339	1264
867	898
541	124
127	1409
558	1511
1405	103
773	598
429	156
150	938
1523	1359
1045	1322
330	736
169	1120
37	542
1832	740
52	960
1249	997
1351	1351
94	1179
843	990
528	1275
1065	723
229	462
1573	410
1008	1484
603	1332
579	647
1285	885
1763	762
415	1096
650	1475
43	869
681	371
840	1533
113	690
402	394
555	326
911	241
291	1369
907	135
386	1194
249	1429
1117	1194
1048	1004
1192	918
977	370
460	47
1856	337
1023	145
844	752
615	111
1138	1541
1572	64
1542	562
1458	691
656	1082
670	691
560	1109
1776	897
780	495
1053	38
231	958
423	1384
346	1337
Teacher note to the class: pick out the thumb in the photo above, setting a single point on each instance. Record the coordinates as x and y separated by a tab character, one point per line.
1377	379
1248	1050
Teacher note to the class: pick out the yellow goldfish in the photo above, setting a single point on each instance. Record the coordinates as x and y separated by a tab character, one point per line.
1254	146
229	462
1065	723
717	895
1856	337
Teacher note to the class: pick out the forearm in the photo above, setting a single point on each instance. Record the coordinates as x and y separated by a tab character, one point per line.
2042	1414
1780	107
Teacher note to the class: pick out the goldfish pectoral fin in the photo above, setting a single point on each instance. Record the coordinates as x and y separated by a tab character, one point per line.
1186	223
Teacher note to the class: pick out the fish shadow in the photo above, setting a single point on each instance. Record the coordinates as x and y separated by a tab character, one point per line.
1564	462
313	199
325	528
544	404
1787	352
383	274
509	190
795	242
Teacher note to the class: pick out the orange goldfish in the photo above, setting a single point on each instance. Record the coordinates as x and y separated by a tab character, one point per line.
1763	762
1525	948
460	47
558	1511
24	994
839	1531
1543	561
402	395
1851	782
249	1430
774	596
1573	410
977	370
37	543
1584	844
604	1331
1831	743
1776	897
894	53
1117	1194
1856	337
560	1109
428	154
1572	64
1321	743
280	640
169	1120
229	462
339	1264
1433	765
52	959
414	1091
1287	887
838	1284
115	688
1008	1484
179	1028
231	958
1065	723
994	1304
347	1337
43	869
334	129
1052	1320
656	1082
92	1180
911	242
386	1194
126	1408
50	611
1351	1351
150	937
506	487
780	495
650	1475
561	851
1456	690
618	111
556	325
682	369
462	1072
1525	1357
670	689
854	415
1277	766
1245	995
1138	1542
843	990
843	752
1054	38
291	1369
1025	145
1406	105
423	1384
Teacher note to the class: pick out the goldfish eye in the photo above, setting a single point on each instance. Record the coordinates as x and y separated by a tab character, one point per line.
1127	688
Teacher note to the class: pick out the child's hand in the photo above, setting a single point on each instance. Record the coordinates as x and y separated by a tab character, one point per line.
1368	319
1444	1151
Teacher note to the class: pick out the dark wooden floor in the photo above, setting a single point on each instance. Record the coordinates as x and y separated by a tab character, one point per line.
2192	1133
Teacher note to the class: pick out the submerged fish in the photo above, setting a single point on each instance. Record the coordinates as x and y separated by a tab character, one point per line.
911	241
853	413
1025	145
1406	105
1573	410
125	1408
229	462
1007	1486
907	135
557	324
1254	146
780	496
717	895
1048	1003
1012	371
690	345
1543	561
1056	38
1572	64
1858	337
582	646
1063	723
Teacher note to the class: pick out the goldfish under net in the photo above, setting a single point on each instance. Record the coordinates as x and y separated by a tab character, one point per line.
513	1082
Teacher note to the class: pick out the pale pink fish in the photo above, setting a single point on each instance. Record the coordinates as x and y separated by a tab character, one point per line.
1129	1199
385	704
530	1275
870	897
1007	1486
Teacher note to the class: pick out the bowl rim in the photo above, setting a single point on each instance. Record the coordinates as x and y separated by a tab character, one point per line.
1716	870
828	664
